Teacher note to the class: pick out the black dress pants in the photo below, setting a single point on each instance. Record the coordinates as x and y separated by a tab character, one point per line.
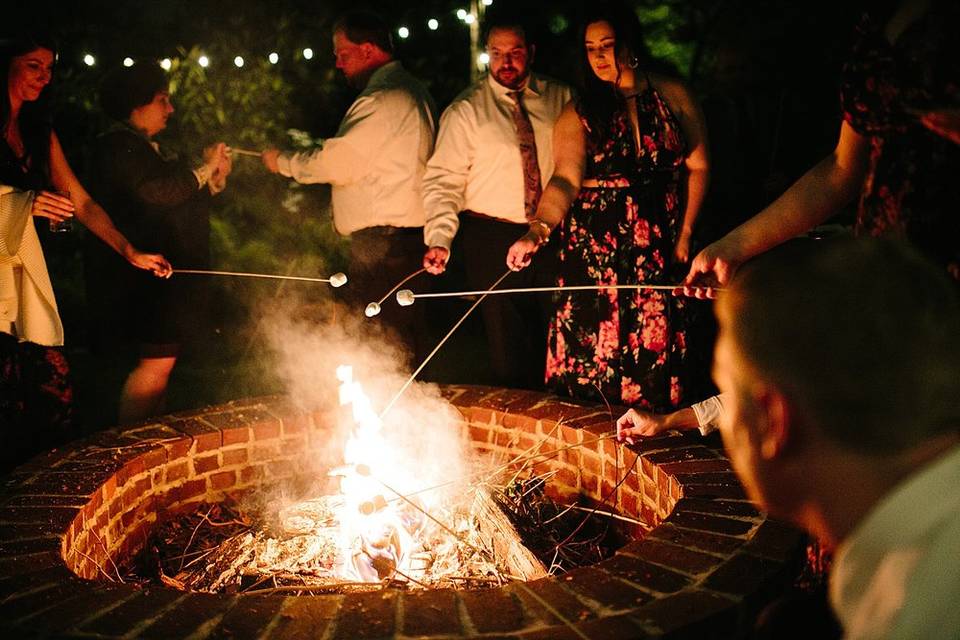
516	324
379	258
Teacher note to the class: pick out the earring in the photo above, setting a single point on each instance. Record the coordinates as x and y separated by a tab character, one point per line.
634	62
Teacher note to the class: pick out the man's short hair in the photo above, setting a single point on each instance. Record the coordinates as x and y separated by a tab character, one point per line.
863	335
364	26
123	89
508	21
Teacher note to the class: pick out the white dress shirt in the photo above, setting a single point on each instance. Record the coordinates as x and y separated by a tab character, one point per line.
898	574
477	164
376	160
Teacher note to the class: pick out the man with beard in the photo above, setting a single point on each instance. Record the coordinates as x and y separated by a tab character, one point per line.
375	165
494	154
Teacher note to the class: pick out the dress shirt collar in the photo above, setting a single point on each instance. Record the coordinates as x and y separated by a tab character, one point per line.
530	84
901	520
381	76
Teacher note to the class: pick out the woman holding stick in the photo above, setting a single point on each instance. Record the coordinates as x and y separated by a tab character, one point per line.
36	181
631	159
163	203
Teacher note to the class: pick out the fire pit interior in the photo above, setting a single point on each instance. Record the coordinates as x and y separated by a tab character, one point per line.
72	517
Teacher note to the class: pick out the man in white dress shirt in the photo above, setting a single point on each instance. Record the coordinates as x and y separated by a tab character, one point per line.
375	165
840	365
482	181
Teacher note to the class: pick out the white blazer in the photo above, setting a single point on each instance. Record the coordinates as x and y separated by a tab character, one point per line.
27	304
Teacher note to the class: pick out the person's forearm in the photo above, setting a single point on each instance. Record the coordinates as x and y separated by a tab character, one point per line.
682	420
697	182
96	219
812	199
556	200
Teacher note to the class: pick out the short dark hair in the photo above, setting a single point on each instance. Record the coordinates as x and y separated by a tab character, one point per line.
862	334
506	19
364	26
123	89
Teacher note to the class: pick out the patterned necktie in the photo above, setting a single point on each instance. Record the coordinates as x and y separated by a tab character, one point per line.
528	154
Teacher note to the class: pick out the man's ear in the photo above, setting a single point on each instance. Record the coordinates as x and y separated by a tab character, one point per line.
776	422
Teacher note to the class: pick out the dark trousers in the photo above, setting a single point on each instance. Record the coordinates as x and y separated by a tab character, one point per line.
516	324
379	258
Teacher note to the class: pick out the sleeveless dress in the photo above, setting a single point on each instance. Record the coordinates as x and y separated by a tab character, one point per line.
625	346
911	189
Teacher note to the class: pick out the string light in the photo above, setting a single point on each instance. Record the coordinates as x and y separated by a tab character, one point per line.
274	57
308	53
433	24
487	3
470	18
166	63
89	60
203	61
238	61
128	62
403	32
484	58
462	14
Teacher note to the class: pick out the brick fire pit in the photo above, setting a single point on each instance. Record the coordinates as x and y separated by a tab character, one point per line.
708	564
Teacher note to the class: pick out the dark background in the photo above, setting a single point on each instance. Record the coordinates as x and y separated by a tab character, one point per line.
766	73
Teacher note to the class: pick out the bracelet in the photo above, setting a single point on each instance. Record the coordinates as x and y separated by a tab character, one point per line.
543	235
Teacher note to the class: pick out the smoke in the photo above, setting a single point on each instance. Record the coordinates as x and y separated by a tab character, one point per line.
421	437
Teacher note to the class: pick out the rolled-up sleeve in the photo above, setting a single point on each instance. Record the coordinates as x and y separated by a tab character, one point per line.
445	180
346	157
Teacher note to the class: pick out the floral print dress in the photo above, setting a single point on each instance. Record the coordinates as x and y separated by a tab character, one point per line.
912	187
626	346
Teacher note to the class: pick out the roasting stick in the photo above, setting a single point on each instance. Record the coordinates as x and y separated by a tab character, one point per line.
244	152
406	297
373	308
442	342
336	280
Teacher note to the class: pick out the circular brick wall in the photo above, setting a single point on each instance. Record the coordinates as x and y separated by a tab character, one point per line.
706	564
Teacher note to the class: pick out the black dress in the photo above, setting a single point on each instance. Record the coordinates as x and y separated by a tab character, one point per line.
36	394
156	203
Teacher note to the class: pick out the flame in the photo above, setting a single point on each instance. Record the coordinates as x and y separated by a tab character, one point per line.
379	532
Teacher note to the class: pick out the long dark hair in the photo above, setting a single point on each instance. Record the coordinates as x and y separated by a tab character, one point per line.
34	119
599	99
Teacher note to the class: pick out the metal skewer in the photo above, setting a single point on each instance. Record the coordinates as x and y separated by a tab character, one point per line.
336	280
373	308
406	297
441	343
244	152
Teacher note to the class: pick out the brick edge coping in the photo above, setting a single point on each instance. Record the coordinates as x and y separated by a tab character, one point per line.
710	561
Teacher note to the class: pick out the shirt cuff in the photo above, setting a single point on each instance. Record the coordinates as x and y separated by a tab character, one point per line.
283	165
708	414
202	174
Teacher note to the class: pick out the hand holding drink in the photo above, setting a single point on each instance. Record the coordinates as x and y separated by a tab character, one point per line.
57	206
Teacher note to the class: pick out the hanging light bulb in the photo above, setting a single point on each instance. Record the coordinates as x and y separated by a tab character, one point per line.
128	62
308	53
165	64
403	32
274	57
203	61
89	60
238	61
433	24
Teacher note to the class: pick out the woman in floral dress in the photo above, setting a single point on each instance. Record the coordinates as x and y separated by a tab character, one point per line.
631	159
898	150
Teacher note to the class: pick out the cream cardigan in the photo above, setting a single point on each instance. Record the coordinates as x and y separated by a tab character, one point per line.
27	303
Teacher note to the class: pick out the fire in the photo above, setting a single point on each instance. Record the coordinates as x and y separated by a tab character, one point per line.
379	533
396	518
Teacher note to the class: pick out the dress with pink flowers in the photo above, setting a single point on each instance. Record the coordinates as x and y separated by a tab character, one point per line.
628	345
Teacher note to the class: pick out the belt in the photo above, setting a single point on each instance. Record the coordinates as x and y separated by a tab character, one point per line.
483	216
386	230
